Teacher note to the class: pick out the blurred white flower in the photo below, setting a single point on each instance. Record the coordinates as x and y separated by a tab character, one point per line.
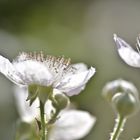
136	138
72	124
127	53
28	69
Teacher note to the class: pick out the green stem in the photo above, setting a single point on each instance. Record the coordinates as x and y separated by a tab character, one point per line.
43	131
118	128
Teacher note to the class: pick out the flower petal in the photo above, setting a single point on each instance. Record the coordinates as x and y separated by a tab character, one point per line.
48	109
35	72
27	113
73	84
9	71
75	91
80	67
127	53
72	125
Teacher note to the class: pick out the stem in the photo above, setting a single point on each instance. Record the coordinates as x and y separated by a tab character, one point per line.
43	135
120	121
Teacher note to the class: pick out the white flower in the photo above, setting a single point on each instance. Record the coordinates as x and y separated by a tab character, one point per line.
28	69
127	53
72	124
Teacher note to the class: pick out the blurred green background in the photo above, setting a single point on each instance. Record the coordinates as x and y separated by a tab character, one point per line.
79	29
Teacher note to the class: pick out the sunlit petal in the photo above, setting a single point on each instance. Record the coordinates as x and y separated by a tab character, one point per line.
27	113
73	84
80	67
72	125
48	109
33	72
127	53
7	68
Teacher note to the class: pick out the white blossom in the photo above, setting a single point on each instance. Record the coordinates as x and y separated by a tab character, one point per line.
127	53
72	124
57	72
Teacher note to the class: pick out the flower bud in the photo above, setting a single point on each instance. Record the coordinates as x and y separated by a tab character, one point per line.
119	86
60	101
125	104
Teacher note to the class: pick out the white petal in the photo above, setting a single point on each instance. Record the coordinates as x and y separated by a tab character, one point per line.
6	68
80	67
72	125
75	91
130	57
33	71
27	113
127	53
48	109
73	84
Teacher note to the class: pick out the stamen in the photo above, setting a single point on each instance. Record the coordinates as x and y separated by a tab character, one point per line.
42	56
138	44
31	56
138	48
59	66
21	57
34	56
59	62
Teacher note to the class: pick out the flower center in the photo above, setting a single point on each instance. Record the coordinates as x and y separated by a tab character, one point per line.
57	66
